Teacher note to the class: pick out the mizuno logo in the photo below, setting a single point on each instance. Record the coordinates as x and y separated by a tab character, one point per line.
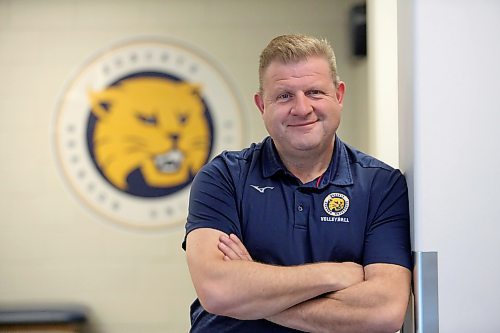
262	189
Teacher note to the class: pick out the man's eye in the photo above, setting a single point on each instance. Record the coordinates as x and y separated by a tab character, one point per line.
314	92
283	96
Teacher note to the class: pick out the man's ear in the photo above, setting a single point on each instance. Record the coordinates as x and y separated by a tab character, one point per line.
340	92
259	101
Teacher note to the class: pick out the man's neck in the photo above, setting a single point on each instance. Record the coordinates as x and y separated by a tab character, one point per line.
308	165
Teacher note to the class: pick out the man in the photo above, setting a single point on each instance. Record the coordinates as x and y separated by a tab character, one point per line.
300	232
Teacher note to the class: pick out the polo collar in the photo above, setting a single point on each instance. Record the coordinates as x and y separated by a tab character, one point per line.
271	161
338	172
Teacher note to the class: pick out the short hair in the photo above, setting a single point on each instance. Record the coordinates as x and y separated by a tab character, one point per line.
294	48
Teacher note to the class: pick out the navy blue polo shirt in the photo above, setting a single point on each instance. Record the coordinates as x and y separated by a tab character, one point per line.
356	211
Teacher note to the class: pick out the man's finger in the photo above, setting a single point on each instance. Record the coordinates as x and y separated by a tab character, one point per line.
224	239
242	250
233	248
228	251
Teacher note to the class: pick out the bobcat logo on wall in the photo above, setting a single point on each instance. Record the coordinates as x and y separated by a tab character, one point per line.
137	123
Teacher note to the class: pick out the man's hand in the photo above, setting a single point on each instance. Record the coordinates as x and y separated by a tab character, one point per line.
233	248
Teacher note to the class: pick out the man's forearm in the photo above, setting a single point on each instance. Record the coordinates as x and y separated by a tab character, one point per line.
245	289
249	290
376	305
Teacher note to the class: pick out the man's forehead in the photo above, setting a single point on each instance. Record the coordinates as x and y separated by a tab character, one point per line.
302	69
305	62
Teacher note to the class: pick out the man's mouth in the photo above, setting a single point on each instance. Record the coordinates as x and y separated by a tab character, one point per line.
303	124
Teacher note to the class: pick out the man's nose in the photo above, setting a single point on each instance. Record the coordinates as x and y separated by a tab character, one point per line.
302	105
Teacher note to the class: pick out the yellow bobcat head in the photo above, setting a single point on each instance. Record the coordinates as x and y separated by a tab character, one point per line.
151	124
336	204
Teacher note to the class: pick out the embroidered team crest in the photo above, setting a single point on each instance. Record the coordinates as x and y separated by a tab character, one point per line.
336	204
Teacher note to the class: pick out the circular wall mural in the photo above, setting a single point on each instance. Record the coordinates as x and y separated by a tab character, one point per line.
135	125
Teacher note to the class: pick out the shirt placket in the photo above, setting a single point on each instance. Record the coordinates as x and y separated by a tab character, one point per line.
301	209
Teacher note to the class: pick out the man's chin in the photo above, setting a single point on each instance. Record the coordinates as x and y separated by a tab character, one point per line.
307	147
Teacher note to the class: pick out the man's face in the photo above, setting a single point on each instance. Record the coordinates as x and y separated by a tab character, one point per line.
300	105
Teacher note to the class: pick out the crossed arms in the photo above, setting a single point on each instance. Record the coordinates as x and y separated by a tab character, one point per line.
320	297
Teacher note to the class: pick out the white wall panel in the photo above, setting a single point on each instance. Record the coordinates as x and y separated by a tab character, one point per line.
455	163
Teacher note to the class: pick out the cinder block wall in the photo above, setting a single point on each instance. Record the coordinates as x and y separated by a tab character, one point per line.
52	248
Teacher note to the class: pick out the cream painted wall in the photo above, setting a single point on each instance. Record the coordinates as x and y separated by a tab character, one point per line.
383	80
52	249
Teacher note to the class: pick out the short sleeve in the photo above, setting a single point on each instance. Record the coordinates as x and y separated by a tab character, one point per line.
212	201
388	232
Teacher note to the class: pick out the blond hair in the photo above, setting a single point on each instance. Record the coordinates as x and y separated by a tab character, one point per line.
294	48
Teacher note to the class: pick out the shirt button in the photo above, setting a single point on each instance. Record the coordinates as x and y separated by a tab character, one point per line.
300	208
